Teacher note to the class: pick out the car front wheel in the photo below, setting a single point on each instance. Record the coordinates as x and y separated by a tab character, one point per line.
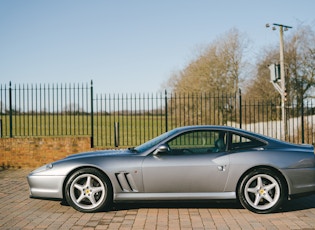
88	190
261	191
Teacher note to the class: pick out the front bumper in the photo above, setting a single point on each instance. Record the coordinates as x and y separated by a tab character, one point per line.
46	186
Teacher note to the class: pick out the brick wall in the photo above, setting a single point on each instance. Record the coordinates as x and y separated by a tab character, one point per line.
34	152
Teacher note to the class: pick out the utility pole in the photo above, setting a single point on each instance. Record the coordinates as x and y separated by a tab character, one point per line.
282	89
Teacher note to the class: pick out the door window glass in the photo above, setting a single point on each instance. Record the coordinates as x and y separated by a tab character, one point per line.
198	142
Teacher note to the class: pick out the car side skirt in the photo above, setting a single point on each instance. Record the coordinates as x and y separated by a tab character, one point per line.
174	196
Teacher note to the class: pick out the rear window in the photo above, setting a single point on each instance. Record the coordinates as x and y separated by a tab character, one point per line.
244	142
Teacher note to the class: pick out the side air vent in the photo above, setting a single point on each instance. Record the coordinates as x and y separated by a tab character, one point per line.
126	182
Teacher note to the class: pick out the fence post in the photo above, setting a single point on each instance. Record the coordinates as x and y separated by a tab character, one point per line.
240	106
166	111
116	130
302	119
10	110
92	117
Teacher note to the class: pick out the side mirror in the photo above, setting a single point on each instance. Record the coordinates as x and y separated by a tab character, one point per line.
161	149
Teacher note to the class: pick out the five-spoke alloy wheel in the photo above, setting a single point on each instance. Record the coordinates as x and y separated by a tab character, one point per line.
261	191
88	190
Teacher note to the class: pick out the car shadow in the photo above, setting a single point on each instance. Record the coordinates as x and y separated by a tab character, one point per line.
177	204
298	204
170	204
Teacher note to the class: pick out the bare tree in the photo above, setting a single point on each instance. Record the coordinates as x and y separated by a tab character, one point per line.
299	67
216	69
300	62
259	86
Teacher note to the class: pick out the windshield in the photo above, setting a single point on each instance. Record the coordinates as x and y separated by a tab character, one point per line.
149	144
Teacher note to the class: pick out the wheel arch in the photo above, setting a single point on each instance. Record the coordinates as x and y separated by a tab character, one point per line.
275	170
85	167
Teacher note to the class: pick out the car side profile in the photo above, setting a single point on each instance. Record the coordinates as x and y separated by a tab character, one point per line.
186	163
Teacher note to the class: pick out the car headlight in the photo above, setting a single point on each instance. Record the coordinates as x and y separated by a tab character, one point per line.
49	166
43	168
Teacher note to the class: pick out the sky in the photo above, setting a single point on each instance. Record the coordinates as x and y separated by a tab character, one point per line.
128	46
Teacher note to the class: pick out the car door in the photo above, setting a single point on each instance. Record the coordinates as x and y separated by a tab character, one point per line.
196	162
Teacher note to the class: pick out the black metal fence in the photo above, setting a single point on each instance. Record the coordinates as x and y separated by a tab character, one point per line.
45	110
131	119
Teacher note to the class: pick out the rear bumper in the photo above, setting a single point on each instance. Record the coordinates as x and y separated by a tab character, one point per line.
302	181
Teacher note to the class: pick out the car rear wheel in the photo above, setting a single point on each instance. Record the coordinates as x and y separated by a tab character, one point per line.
88	190
261	191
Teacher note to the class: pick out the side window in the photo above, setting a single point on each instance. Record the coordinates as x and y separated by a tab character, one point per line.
198	142
242	142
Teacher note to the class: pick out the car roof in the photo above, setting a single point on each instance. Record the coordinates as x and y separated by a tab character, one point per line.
215	127
230	129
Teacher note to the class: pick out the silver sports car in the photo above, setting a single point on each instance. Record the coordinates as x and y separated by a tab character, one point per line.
187	163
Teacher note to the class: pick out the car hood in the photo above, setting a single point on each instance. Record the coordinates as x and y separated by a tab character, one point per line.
103	153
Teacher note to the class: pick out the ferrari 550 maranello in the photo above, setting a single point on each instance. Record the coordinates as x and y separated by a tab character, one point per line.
187	163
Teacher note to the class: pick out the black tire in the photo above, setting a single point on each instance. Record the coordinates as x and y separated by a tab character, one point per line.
88	190
261	191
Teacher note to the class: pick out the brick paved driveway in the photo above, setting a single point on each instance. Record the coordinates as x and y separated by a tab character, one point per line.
18	211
